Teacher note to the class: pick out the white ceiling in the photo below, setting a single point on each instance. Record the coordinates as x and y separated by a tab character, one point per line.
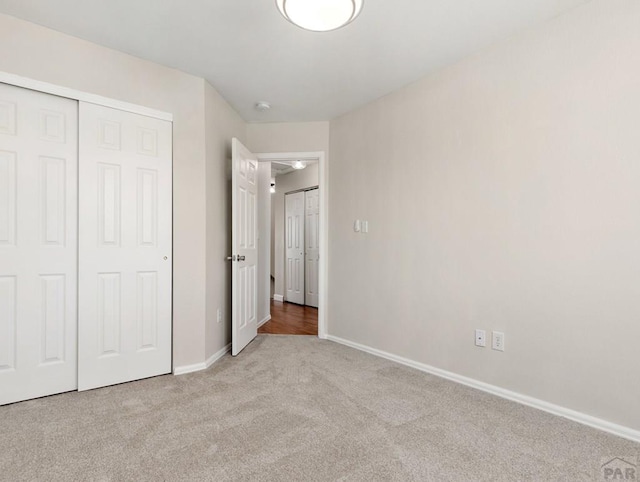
250	53
280	168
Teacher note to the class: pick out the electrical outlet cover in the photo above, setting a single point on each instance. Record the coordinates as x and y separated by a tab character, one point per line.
498	341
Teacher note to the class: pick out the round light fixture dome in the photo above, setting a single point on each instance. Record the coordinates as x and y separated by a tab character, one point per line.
320	15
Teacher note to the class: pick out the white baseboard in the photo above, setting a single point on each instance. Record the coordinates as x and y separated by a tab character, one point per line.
597	423
278	298
267	318
204	365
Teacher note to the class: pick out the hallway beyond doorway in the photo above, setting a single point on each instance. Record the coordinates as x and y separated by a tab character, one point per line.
291	319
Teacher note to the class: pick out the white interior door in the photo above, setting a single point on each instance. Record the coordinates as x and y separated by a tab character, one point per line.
312	246
38	244
124	247
294	237
244	278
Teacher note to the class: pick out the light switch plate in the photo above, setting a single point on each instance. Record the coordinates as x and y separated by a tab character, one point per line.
357	226
481	338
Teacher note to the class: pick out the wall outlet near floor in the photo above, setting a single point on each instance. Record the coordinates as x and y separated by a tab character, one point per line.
481	338
219	315
498	341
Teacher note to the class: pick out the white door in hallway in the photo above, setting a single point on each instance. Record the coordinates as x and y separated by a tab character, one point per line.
244	241
124	246
312	246
294	245
38	244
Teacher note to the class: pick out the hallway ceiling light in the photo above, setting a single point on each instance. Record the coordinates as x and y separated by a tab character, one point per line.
299	165
320	15
262	106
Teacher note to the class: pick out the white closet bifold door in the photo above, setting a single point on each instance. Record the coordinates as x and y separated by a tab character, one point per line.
294	238
125	247
312	247
38	244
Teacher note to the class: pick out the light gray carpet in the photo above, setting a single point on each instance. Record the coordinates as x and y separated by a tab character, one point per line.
295	408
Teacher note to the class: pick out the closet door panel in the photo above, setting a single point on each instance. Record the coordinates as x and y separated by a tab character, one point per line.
38	244
294	250
125	247
312	247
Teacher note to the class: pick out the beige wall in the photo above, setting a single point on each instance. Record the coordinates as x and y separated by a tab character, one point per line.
503	193
222	124
42	54
294	181
288	137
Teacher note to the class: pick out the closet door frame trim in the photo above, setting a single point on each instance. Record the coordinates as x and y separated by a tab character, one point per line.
73	94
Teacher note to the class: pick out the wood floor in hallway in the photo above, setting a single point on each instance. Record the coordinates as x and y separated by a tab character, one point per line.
291	319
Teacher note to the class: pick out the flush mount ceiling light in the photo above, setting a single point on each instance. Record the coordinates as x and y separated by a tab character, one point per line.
320	15
299	165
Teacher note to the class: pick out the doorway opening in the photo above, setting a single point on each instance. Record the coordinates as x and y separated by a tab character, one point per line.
295	268
250	240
